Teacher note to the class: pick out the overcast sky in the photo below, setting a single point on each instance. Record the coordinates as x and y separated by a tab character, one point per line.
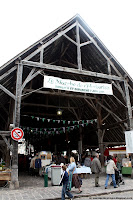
23	22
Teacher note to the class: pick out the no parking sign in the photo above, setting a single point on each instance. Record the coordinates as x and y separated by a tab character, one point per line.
17	134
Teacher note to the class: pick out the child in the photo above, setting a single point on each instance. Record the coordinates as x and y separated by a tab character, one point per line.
64	180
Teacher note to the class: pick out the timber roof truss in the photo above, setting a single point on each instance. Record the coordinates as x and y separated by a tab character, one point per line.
72	51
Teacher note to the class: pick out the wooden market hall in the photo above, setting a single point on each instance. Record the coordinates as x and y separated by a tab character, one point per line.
89	120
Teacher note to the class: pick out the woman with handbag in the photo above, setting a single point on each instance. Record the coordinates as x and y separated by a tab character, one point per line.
73	173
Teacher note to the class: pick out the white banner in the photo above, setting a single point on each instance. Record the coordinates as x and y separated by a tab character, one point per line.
77	86
129	141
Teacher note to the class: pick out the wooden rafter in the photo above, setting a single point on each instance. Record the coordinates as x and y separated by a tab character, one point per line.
94	42
8	73
70	70
57	94
78	47
7	91
50	41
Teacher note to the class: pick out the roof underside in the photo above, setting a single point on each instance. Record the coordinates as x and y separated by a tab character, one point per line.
60	50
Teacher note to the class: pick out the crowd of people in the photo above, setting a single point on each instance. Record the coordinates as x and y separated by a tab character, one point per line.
70	177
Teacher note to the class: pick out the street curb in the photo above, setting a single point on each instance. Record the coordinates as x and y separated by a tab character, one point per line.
103	193
91	195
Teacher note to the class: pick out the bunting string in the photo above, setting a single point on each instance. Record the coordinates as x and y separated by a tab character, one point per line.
65	122
53	131
68	125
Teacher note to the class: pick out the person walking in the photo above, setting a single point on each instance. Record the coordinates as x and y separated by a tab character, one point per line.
64	180
110	170
73	173
96	169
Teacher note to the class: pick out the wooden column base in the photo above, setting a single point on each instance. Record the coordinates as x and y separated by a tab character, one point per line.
14	185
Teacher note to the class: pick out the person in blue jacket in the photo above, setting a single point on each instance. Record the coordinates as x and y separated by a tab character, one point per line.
64	180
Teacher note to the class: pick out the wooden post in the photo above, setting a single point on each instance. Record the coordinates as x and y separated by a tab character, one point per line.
8	155
130	117
14	175
10	121
80	144
100	134
78	48
100	144
68	145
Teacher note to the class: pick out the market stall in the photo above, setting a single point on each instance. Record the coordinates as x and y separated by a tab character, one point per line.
123	157
83	171
5	174
127	168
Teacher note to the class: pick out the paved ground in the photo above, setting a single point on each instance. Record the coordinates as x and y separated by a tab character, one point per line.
119	196
32	188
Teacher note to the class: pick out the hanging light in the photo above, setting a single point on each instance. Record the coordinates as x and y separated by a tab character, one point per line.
59	112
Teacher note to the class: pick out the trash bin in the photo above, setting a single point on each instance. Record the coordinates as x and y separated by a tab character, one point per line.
45	180
55	174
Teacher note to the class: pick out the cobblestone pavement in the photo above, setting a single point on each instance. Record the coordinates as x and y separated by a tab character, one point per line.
32	188
120	196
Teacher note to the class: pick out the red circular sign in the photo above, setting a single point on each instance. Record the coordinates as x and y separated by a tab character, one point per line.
17	134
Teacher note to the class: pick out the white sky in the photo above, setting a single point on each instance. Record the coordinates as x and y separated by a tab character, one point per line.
23	22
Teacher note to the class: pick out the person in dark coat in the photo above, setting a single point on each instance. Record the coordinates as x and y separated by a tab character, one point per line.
87	161
64	180
96	169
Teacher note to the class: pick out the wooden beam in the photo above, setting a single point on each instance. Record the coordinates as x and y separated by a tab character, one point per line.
50	41
70	70
7	143
109	68
117	85
64	94
103	119
114	143
8	72
30	77
18	95
101	51
14	174
78	47
5	133
128	104
7	91
64	51
119	101
41	55
40	114
115	116
85	43
47	106
70	39
114	124
74	113
92	106
107	109
69	63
